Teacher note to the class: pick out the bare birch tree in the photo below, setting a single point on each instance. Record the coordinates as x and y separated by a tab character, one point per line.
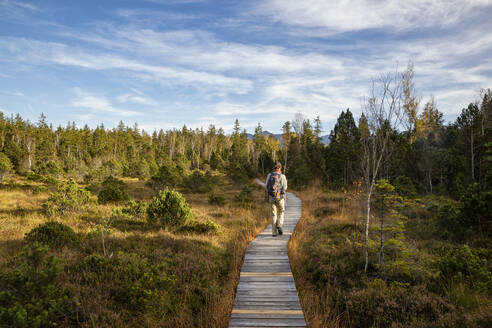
382	112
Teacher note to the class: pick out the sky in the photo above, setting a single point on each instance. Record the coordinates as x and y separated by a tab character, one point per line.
166	63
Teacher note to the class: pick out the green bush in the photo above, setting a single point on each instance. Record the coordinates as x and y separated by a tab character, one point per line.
135	208
67	198
133	281
462	265
405	187
51	181
31	293
5	166
207	227
216	200
245	195
169	208
378	305
33	176
53	234
113	190
39	189
476	211
168	175
50	168
199	182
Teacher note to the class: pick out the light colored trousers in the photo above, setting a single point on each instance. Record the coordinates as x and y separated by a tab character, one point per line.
277	213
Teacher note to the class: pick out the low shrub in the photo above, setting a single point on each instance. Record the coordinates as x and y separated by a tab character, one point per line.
39	189
50	168
135	208
245	195
216	199
168	175
199	182
31	293
34	176
113	190
53	234
461	265
67	198
207	227
405	187
132	280
324	211
169	208
378	305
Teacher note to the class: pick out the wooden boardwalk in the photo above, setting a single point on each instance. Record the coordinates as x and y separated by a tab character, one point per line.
266	295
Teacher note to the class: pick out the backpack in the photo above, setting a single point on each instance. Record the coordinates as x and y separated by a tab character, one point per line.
274	186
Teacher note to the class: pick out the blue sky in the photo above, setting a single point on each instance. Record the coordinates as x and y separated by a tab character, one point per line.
165	63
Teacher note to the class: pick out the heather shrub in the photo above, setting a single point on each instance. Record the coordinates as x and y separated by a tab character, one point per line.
135	208
245	195
216	199
34	176
461	265
132	281
169	208
379	305
324	211
31	293
53	234
67	198
39	189
207	227
113	190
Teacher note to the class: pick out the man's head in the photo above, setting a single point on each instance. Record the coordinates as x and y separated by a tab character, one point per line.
277	167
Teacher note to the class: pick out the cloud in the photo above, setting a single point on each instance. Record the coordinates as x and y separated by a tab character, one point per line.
12	93
342	16
98	105
138	99
16	10
33	51
203	76
5	112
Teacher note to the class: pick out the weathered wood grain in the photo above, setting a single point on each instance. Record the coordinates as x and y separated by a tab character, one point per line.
266	295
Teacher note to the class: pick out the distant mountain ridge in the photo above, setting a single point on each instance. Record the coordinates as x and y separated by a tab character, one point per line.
324	139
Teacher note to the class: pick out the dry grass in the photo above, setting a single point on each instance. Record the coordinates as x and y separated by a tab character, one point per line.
339	209
326	258
21	211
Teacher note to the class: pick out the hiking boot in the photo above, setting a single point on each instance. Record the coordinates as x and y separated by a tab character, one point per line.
280	232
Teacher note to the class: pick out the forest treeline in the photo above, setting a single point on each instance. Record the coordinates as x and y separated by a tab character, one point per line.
433	156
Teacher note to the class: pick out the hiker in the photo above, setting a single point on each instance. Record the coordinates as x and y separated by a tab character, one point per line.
276	186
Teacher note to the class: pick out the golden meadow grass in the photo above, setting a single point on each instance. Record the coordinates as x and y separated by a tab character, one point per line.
21	211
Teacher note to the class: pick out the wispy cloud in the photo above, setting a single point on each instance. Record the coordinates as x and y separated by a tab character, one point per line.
31	51
342	16
12	93
138	99
98	104
316	57
4	111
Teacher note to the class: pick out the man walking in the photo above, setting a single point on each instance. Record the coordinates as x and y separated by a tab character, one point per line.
276	186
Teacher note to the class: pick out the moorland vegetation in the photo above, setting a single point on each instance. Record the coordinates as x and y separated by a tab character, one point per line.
118	227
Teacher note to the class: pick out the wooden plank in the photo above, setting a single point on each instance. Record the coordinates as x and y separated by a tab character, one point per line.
266	295
238	311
